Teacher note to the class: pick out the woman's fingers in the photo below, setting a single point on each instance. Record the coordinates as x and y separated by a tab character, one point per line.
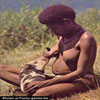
32	89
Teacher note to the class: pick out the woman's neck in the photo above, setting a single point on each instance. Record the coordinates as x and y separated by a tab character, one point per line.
78	34
73	31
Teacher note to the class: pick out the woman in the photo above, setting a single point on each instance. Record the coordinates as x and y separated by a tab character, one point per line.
77	53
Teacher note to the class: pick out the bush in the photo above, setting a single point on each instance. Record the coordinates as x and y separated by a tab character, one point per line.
19	27
90	20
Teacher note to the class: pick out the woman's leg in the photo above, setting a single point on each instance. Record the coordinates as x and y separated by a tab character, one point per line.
65	89
10	74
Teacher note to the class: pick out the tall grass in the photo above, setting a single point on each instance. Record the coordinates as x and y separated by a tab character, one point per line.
90	20
17	28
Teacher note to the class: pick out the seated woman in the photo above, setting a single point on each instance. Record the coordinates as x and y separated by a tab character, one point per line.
74	66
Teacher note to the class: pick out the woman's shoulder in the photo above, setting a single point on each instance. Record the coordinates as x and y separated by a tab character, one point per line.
87	39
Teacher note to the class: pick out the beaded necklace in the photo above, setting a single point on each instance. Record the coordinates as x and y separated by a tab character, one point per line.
61	47
80	32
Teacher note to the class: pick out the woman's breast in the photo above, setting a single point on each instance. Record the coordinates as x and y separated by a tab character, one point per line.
66	62
60	67
71	54
71	58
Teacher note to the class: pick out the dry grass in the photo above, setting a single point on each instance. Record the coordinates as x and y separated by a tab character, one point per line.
19	57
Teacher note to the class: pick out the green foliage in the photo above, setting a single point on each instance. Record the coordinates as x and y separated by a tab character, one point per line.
18	28
90	20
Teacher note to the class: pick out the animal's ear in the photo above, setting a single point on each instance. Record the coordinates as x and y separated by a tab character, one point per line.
32	63
30	66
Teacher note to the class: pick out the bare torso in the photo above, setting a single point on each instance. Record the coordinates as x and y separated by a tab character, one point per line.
67	61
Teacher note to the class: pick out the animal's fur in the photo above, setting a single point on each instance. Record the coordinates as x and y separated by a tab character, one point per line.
33	71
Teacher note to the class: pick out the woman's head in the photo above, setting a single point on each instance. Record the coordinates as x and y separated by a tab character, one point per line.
59	18
56	13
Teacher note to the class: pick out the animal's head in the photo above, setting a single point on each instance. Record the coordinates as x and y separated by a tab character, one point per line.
39	63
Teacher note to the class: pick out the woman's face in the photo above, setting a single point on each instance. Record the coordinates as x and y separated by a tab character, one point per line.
60	29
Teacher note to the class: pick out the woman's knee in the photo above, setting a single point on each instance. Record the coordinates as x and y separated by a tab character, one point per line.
8	68
3	67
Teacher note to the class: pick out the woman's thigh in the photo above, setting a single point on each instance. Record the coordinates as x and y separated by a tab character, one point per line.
64	89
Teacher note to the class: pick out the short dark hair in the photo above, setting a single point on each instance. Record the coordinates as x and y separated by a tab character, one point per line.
56	13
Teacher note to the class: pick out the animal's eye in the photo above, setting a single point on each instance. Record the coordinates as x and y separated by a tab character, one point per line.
35	62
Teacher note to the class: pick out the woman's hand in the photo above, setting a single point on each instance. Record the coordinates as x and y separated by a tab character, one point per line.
33	86
51	53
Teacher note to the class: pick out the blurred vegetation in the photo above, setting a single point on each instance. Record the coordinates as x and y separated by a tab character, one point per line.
90	20
18	28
